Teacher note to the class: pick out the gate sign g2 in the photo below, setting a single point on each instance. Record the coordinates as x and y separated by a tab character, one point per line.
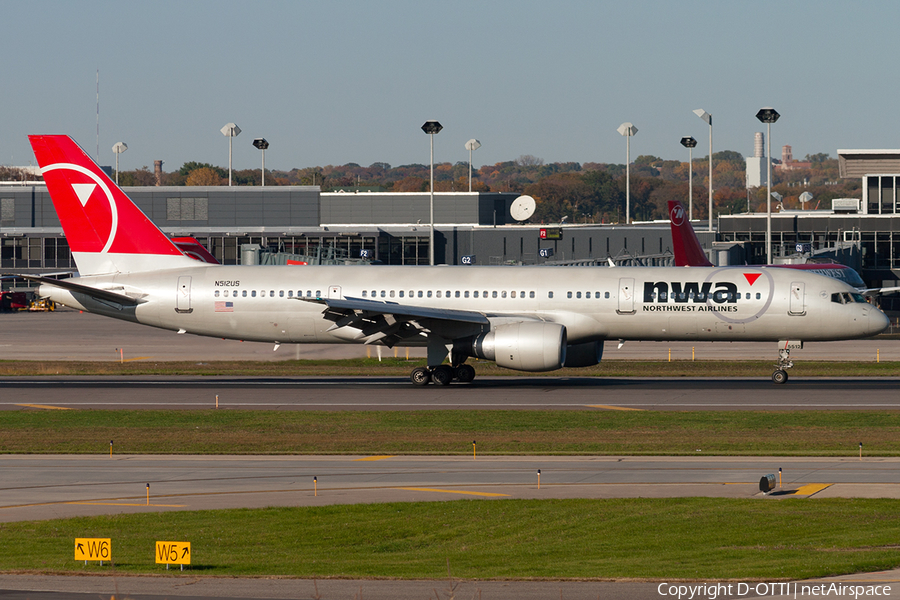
93	548
467	259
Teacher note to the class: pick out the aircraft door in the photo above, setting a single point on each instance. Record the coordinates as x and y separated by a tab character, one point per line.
334	292
626	296
798	298
183	295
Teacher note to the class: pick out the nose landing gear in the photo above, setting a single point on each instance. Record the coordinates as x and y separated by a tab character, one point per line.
784	362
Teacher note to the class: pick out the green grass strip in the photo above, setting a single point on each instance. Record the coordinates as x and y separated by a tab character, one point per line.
734	433
693	538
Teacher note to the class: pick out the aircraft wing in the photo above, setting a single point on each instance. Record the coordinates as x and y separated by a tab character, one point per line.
389	322
878	291
95	293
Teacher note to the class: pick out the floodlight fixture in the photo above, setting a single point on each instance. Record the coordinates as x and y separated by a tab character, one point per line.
231	131
627	130
471	145
690	143
262	144
708	118
768	115
431	127
119	148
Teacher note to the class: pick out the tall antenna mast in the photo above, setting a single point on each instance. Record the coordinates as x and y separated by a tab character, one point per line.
97	156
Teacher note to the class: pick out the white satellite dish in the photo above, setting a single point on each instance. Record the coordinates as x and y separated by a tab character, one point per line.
522	208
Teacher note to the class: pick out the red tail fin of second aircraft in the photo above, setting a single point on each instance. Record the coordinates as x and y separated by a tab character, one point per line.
106	232
686	246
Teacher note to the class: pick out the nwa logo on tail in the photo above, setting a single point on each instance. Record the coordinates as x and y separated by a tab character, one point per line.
105	217
676	214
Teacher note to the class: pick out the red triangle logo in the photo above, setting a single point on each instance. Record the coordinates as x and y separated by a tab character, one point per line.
752	277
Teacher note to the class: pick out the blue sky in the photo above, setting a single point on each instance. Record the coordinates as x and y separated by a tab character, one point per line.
338	82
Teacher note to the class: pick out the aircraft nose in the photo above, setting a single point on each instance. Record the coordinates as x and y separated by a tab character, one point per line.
878	322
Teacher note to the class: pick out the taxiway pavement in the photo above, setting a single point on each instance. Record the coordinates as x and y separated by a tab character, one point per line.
56	486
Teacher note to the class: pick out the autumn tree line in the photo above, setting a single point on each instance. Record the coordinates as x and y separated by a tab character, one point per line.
588	192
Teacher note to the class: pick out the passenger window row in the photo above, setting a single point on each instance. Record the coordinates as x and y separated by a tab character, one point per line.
446	294
264	293
410	294
663	296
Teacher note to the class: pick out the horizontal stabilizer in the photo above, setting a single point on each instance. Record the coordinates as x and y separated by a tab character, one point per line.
96	293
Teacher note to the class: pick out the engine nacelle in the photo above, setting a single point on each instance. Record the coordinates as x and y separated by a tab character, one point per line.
584	355
524	346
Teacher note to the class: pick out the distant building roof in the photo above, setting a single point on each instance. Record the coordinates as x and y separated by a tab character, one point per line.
859	163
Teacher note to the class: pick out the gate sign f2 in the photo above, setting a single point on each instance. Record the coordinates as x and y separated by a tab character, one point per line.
173	553
93	548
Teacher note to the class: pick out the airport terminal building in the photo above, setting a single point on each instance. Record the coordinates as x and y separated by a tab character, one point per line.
476	228
335	228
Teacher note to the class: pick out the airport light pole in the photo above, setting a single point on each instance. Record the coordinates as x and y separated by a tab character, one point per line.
262	144
230	131
119	148
708	118
768	115
431	127
690	143
471	145
628	130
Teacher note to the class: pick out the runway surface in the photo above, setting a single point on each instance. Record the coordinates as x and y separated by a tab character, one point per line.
488	393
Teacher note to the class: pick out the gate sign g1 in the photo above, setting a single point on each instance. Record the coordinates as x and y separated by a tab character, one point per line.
546	252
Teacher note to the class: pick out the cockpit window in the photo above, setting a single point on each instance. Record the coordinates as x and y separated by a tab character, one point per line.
847	297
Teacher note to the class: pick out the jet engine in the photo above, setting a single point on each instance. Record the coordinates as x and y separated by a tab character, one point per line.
524	346
587	354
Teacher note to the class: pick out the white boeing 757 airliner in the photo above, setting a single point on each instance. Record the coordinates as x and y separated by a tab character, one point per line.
523	318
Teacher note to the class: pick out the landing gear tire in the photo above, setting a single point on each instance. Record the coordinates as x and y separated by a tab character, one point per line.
779	376
465	373
420	376
442	375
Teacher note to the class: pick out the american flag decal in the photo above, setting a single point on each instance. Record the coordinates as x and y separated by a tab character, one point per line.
224	306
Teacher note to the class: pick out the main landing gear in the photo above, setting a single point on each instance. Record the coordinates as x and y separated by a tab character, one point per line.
442	374
784	362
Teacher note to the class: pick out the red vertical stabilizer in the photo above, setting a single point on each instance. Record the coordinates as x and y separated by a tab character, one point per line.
685	245
106	232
